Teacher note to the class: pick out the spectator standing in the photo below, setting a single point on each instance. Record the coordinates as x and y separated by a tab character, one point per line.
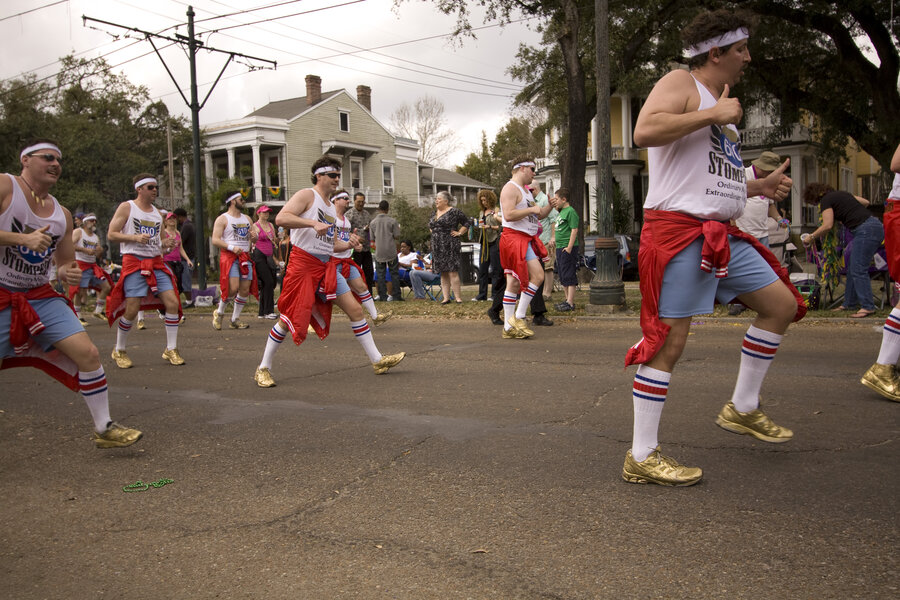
448	224
868	234
386	231
360	219
566	248
266	252
176	256
489	237
189	243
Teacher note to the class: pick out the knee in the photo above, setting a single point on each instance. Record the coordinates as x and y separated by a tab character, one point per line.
89	360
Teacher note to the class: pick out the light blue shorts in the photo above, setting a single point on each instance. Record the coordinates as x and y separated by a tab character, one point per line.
89	281
235	272
58	319
530	255
354	273
136	286
688	291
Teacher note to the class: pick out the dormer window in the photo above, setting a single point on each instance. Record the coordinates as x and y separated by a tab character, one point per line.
344	120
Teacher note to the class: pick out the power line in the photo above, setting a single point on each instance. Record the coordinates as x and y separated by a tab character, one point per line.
25	12
305	12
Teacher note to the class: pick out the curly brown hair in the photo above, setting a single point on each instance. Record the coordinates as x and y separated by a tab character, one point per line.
325	161
487	199
711	24
814	192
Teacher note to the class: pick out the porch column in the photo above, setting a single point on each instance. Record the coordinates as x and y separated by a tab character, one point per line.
230	152
257	174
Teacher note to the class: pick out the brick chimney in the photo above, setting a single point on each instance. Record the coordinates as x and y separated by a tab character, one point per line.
364	96
313	89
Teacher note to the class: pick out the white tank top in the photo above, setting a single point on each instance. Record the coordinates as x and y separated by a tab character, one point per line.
895	189
20	267
237	232
701	174
343	231
140	222
529	224
306	237
86	246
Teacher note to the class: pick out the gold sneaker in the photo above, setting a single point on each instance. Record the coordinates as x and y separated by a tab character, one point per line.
141	324
513	334
387	361
660	470
521	326
122	360
100	316
82	321
238	324
217	321
883	379
116	436
263	378
382	317
173	357
754	423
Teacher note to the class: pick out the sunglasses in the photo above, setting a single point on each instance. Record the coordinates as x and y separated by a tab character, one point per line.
333	175
49	157
151	187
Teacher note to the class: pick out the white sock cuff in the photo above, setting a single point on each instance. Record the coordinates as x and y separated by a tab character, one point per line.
768	336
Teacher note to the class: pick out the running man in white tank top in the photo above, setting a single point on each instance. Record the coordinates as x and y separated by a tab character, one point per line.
697	177
233	233
87	250
146	281
35	229
312	281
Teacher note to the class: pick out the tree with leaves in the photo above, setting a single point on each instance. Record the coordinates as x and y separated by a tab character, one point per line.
493	166
425	122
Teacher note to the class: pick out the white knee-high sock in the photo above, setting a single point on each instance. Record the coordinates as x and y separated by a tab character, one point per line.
101	304
77	308
172	321
525	300
140	315
366	300
122	333
509	308
757	352
364	336
276	336
890	339
222	302
239	303
92	385
649	396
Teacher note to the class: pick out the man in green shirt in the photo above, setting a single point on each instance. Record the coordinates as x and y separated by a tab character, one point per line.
566	248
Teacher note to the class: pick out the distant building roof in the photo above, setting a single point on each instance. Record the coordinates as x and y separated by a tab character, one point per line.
445	177
290	108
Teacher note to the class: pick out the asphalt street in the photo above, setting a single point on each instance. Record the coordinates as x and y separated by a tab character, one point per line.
477	468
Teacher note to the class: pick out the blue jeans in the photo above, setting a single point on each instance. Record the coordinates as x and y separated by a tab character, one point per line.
394	267
867	238
416	279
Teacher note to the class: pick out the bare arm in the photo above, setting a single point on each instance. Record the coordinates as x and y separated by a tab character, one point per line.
66	268
827	223
289	217
218	230
895	161
670	112
862	200
114	233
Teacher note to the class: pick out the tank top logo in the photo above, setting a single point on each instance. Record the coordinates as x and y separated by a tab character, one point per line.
725	157
25	260
241	230
150	228
324	217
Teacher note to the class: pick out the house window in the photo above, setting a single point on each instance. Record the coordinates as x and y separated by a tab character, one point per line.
356	181
388	170
345	120
847	180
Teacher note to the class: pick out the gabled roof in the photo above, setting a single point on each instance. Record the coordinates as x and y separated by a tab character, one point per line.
445	177
290	108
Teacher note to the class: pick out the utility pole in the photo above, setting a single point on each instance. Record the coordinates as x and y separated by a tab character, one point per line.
171	163
193	45
607	288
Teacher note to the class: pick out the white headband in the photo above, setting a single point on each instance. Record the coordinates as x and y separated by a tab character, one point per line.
234	196
523	164
323	170
88	218
725	39
40	146
341	195
144	181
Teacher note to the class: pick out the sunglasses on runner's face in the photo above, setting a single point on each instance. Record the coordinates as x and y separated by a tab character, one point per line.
333	175
48	157
151	187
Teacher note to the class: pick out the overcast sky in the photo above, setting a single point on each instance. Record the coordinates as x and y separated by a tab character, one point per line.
409	53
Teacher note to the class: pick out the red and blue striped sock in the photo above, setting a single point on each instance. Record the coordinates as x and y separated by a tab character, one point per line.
364	336
890	339
757	351
648	394
92	385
